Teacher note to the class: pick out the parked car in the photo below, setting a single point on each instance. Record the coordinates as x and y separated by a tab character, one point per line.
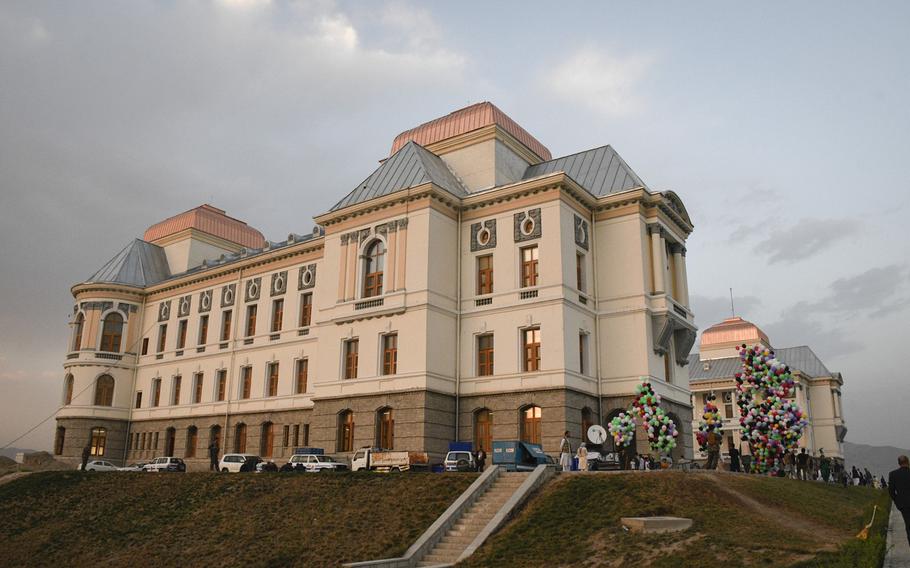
165	464
317	462
132	467
460	461
98	465
230	463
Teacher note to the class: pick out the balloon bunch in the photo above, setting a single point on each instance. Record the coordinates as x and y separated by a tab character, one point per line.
710	422
768	420
622	428
662	431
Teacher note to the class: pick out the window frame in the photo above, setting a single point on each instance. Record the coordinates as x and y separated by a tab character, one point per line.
182	327
97	441
220	385
277	315
111	339
373	281
350	357
486	356
389	363
246	382
272	370
530	427
301	375
104	396
385	428
529	270
345	431
162	338
226	320
176	385
198	385
484	275
203	336
252	311
306	309
530	351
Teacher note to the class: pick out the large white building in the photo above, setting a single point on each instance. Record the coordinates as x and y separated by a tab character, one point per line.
471	288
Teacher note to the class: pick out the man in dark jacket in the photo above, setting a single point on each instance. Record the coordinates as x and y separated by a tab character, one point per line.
86	452
899	488
213	456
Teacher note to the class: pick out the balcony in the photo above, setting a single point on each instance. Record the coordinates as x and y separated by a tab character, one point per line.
366	304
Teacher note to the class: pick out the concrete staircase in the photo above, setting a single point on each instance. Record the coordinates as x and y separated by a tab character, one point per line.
473	521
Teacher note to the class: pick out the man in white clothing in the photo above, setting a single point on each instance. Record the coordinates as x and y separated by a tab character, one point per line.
565	452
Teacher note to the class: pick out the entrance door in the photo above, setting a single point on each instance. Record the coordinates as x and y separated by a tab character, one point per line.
170	437
483	430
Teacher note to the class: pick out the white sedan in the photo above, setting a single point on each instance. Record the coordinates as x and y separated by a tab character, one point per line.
98	465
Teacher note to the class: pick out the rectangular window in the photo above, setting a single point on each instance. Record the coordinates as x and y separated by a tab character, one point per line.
203	329
138	399
272	387
155	444
306	309
162	337
197	388
485	355
226	325
145	346
156	392
390	354
251	320
306	434
222	385
580	272
277	315
531	340
485	274
529	266
296	435
287	436
351	347
181	334
246	382
582	353
175	396
302	370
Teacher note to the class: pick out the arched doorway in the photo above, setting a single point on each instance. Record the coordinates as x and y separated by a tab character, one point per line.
483	430
170	438
530	424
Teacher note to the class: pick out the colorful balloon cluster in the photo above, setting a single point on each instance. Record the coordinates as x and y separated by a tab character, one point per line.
710	422
768	420
662	432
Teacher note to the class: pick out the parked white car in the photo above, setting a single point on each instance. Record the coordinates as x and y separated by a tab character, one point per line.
316	463
164	464
98	465
132	467
460	461
230	463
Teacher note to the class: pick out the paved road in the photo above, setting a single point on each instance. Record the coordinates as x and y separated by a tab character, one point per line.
13	476
898	555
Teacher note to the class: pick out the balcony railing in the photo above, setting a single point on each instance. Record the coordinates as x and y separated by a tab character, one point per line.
368	304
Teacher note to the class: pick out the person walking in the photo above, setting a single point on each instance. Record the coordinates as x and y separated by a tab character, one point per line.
825	465
855	476
745	452
802	465
899	489
582	456
713	450
734	458
213	456
86	452
481	459
788	464
565	452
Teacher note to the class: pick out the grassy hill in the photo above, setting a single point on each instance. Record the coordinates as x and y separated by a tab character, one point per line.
738	521
127	519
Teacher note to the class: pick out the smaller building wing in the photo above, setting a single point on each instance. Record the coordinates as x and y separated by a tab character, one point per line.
801	359
139	264
600	170
410	166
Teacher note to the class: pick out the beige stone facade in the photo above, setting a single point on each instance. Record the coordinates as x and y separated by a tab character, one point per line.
222	340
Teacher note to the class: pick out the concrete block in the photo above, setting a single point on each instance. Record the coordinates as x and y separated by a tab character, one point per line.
651	525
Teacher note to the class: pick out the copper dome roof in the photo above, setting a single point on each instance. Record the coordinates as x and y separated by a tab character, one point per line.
209	220
731	331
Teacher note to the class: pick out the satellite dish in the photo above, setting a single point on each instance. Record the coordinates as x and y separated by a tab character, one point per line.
597	434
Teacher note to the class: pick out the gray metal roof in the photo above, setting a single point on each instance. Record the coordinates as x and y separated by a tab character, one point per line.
139	264
800	358
600	170
410	166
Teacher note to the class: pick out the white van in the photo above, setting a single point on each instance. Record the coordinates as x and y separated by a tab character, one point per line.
230	463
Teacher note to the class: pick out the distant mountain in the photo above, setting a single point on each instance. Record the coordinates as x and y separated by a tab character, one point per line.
11	452
879	459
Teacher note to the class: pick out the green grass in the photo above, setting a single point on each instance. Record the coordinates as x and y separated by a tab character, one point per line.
125	519
737	521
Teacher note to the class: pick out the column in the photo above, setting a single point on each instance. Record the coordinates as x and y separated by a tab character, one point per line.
391	268
657	258
343	268
682	283
353	255
402	254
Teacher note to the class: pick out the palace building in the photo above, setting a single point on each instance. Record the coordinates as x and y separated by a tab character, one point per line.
471	288
818	390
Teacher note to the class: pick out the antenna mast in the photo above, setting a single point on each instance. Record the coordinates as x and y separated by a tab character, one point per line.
732	309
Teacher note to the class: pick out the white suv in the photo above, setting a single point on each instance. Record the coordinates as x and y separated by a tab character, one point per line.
98	465
230	463
317	462
158	465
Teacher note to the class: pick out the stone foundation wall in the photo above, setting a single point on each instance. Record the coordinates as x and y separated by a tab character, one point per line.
78	435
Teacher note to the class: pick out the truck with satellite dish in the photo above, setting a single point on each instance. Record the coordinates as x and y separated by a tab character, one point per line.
601	457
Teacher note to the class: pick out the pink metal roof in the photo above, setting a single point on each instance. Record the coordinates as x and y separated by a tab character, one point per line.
465	120
209	220
733	329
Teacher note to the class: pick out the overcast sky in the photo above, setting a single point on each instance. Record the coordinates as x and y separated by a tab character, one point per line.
784	128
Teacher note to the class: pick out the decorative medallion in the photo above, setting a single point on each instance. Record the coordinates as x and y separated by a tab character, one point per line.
253	288
527	225
205	301
279	283
483	235
164	311
227	295
581	232
306	278
183	306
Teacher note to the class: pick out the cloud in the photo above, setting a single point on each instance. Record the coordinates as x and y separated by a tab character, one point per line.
875	293
806	238
605	82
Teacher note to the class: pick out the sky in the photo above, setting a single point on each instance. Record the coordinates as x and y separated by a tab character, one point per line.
783	126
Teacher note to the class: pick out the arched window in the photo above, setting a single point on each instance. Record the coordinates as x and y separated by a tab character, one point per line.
58	440
385	431
99	441
587	420
77	332
266	439
68	390
111	332
373	266
170	440
240	438
346	431
192	434
483	430
104	391
530	424
215	435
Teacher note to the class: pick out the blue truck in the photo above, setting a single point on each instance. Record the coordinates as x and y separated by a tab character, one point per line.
519	456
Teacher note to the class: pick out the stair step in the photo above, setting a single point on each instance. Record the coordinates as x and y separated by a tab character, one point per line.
459	540
450	546
441	558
